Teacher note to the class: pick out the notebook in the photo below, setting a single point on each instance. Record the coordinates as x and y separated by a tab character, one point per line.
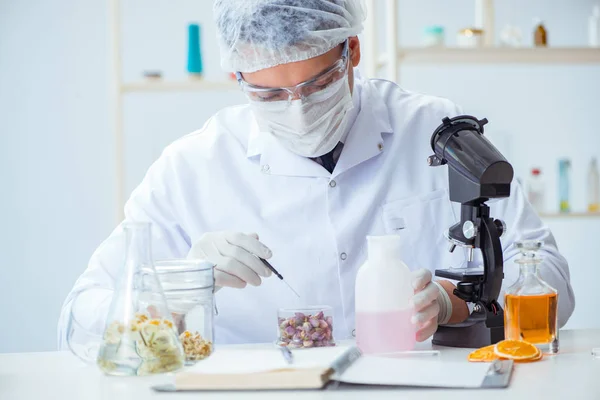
266	369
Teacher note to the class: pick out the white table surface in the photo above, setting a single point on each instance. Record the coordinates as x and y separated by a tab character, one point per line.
572	374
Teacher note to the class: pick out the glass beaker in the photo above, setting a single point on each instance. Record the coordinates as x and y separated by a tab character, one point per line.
303	328
140	337
531	305
189	289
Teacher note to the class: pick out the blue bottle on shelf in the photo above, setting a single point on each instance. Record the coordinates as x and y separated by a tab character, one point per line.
564	167
194	61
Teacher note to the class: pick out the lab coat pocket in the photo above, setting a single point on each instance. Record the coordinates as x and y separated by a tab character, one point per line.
421	220
395	210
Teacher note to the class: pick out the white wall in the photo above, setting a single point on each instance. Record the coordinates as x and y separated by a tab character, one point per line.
56	152
57	146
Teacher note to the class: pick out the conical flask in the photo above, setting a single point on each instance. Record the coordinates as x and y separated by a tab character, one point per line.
139	337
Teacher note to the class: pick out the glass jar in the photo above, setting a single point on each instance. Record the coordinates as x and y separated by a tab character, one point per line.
470	38
433	36
304	328
188	286
531	304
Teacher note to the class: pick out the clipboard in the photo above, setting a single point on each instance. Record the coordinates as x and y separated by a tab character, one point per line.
499	375
349	371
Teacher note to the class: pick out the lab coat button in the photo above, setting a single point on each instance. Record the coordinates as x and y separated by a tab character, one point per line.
265	168
332	183
343	256
380	146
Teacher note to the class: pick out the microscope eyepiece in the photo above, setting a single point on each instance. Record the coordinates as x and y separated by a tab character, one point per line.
477	170
467	120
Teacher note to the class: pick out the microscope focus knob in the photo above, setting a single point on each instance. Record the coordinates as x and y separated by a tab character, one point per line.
465	290
469	230
501	226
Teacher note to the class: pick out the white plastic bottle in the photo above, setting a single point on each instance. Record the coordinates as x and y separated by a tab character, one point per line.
594	27
383	293
535	190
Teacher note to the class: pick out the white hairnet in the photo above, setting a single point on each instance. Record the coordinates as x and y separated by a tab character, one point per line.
258	34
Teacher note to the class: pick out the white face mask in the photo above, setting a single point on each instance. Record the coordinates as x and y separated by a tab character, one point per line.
310	127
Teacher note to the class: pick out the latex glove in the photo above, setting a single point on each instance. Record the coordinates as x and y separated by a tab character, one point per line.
235	257
431	304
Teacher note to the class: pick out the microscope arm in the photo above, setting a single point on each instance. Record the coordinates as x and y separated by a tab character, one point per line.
491	250
483	289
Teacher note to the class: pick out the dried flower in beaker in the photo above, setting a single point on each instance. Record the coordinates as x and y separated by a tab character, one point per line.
154	341
194	346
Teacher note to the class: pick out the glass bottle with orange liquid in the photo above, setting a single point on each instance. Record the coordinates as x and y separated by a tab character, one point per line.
531	304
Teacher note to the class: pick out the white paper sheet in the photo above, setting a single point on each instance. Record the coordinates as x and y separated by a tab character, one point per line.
430	372
241	361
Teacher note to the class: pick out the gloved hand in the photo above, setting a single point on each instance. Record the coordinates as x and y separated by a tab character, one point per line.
235	257
431	304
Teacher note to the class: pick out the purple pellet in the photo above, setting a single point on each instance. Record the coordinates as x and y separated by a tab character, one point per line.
299	318
290	331
308	343
323	324
319	315
307	327
329	321
314	322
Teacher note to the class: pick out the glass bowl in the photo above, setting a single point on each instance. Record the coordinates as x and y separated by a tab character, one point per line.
304	328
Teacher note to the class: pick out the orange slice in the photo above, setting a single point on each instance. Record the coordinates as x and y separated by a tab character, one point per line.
534	359
516	350
484	354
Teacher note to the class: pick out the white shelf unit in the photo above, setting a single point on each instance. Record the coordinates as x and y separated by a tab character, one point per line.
372	60
177	86
119	88
570	215
449	55
455	55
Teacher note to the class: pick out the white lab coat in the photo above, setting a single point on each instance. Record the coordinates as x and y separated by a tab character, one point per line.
229	176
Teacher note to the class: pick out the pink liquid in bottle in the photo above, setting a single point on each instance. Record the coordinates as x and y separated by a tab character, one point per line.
385	332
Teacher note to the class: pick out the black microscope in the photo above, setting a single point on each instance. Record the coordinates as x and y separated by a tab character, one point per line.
477	172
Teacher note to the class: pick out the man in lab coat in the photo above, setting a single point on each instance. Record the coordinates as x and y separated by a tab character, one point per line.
319	159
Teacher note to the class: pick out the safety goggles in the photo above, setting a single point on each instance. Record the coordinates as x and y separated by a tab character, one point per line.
301	91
